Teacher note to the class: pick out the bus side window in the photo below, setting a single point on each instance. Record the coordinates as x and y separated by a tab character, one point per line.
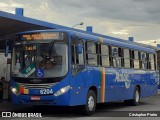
136	60
131	52
105	56
155	61
144	60
110	56
116	55
126	58
77	59
92	53
140	61
152	61
121	55
148	61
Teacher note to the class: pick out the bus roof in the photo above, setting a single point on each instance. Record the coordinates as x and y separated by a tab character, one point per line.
124	44
110	41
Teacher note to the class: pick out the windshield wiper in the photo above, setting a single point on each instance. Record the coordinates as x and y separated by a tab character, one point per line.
51	48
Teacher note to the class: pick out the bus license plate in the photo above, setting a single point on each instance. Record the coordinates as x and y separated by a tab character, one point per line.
35	98
46	91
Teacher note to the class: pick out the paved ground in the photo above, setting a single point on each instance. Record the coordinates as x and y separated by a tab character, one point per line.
114	110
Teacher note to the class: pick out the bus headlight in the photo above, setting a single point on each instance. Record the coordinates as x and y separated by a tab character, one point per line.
14	90
62	91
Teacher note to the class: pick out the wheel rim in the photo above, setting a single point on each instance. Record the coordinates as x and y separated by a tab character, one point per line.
91	103
137	96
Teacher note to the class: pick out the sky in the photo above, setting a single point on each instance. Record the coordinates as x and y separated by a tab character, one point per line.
117	18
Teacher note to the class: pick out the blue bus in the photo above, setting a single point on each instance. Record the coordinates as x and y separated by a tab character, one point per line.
68	68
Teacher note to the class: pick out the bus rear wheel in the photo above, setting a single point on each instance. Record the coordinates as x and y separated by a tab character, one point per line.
90	106
136	98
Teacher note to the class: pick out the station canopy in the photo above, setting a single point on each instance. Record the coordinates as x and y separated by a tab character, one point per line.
10	24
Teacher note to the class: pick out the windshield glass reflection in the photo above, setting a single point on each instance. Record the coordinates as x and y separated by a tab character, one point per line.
40	60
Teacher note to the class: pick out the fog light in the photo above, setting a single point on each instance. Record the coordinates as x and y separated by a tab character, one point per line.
14	90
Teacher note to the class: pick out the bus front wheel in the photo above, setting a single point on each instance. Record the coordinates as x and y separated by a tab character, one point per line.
90	106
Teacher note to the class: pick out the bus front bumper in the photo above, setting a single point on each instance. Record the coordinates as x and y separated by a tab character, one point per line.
62	100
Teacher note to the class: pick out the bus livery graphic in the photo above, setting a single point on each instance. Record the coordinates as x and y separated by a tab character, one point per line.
123	77
103	84
21	89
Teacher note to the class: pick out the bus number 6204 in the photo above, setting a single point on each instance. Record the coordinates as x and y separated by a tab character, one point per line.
46	91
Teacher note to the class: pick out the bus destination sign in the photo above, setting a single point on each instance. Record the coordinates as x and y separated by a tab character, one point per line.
41	36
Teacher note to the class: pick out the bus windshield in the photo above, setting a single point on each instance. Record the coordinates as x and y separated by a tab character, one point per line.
40	60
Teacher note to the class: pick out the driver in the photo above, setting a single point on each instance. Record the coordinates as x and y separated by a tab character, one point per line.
47	53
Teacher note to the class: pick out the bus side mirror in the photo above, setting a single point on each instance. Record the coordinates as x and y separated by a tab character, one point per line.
79	48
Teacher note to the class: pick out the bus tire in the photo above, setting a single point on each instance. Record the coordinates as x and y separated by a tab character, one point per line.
91	101
136	98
